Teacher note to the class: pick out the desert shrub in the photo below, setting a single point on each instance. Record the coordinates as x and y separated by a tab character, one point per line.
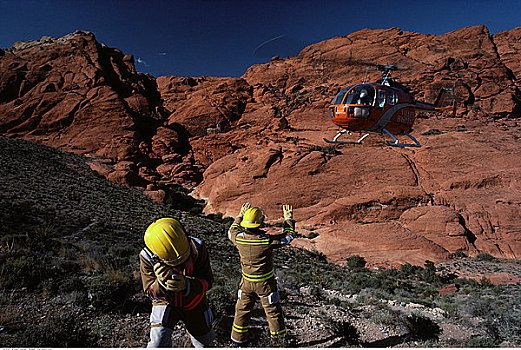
103	326
429	272
355	262
451	310
421	328
484	257
407	270
504	325
60	330
312	235
430	292
357	282
110	289
381	294
486	283
386	316
326	149
482	342
44	238
344	304
458	255
346	331
480	308
316	291
23	271
72	284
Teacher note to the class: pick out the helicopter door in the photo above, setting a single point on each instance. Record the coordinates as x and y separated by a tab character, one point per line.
381	98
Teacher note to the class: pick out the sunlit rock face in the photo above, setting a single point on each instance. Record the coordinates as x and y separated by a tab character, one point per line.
258	138
82	96
459	192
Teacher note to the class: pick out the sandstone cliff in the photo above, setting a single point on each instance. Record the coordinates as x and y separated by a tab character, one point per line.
258	138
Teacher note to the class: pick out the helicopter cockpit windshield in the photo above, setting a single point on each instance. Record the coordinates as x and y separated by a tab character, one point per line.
340	96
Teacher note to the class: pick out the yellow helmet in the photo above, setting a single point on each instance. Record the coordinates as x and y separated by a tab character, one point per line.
252	218
167	239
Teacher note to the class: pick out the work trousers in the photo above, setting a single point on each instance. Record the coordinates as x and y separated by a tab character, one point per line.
198	323
268	294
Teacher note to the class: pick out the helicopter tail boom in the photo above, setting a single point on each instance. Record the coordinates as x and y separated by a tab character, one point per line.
427	107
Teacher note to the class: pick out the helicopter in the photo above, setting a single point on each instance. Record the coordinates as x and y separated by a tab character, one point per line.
382	107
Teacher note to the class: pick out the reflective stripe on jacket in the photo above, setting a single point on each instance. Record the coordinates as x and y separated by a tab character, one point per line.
255	248
197	269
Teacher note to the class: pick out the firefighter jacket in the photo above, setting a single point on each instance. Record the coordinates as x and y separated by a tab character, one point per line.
255	248
196	269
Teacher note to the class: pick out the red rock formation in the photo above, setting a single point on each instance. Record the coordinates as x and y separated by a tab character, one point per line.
258	138
204	105
459	192
78	95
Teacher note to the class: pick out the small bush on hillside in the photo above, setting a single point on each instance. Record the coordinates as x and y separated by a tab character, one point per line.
326	149
458	255
386	316
355	262
484	257
346	331
429	272
44	238
422	328
433	132
59	331
451	309
110	290
23	271
482	342
504	325
407	270
486	283
480	308
312	235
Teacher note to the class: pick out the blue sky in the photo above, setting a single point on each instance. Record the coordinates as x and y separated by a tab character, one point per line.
224	38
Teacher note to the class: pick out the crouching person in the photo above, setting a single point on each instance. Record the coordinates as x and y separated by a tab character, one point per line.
176	273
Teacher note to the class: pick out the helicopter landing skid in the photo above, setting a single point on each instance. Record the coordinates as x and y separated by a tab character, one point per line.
340	133
396	143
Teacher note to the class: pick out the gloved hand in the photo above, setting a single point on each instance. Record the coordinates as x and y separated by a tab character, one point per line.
244	207
177	283
288	211
162	272
171	281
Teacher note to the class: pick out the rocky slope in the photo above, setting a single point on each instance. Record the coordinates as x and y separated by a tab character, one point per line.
258	138
69	274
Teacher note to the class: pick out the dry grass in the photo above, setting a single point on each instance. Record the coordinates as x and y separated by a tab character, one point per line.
7	247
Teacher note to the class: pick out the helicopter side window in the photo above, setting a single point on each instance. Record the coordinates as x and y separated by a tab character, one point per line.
391	97
381	98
